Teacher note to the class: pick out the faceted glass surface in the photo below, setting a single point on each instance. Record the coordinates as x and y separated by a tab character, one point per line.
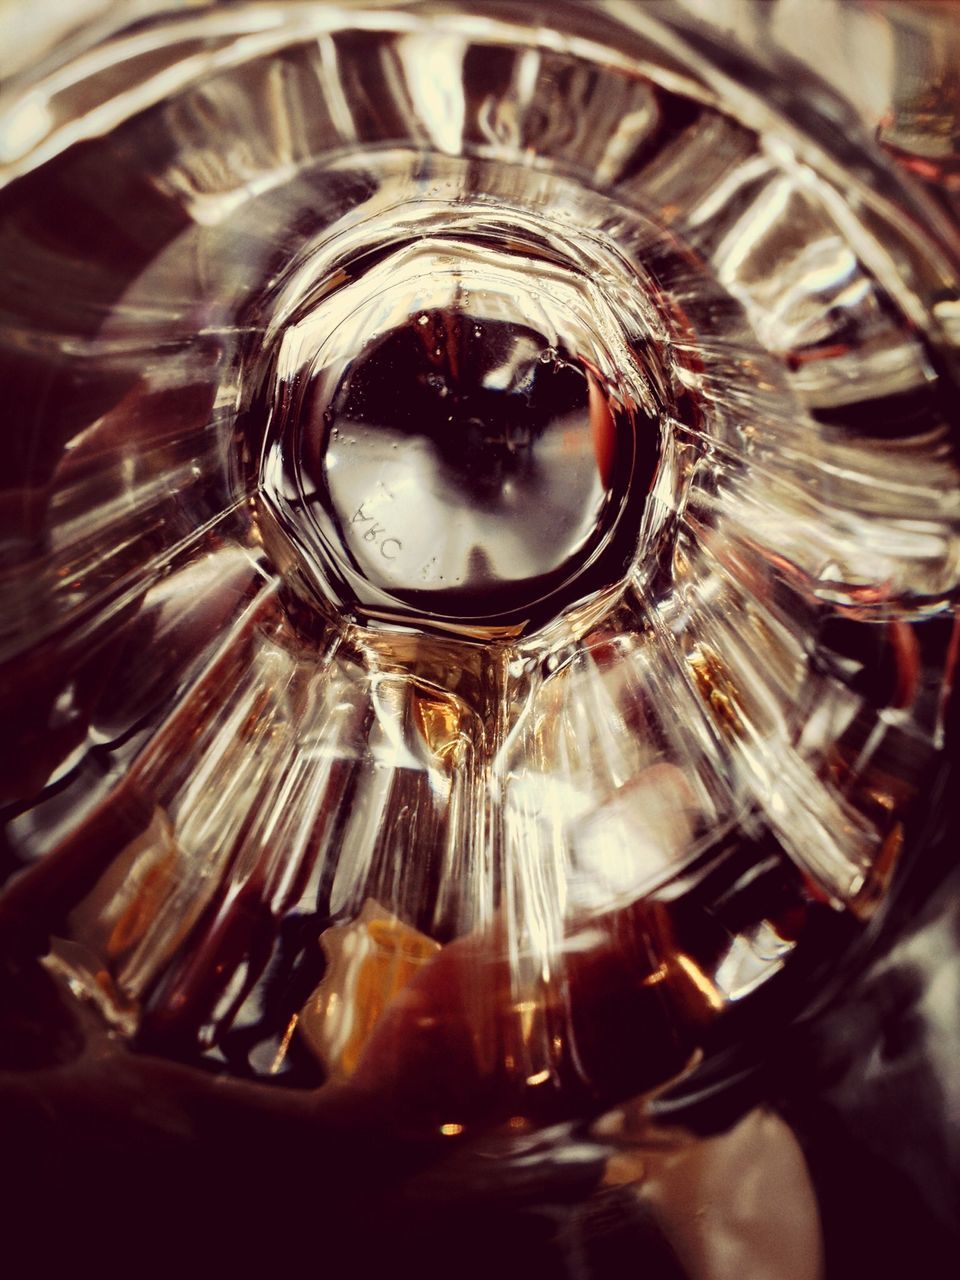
480	542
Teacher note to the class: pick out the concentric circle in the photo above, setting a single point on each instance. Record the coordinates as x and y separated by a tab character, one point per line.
450	437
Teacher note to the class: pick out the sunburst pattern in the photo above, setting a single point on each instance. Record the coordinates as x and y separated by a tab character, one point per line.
486	871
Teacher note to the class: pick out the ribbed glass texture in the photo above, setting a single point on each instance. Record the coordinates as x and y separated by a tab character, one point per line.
479	529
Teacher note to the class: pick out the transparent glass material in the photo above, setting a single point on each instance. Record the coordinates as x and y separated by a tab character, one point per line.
480	536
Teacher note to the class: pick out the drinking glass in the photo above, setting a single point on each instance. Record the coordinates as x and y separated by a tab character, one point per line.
479	531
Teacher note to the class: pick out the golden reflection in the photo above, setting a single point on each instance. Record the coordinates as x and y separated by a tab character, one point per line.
880	874
438	720
130	897
716	689
135	919
371	960
660	974
281	1053
700	980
